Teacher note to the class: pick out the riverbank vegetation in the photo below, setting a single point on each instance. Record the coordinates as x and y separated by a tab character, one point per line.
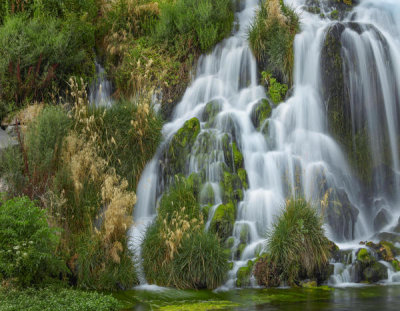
68	185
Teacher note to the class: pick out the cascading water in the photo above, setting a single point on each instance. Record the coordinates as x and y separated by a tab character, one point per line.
100	90
292	152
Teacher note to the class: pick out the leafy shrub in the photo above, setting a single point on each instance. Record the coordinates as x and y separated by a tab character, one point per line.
27	243
271	38
55	299
176	251
276	90
37	56
297	244
201	23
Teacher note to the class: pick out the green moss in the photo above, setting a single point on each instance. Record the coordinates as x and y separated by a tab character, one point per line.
364	256
211	110
243	275
244	234
309	284
243	177
396	265
175	155
223	220
376	272
334	14
201	306
237	156
261	111
240	250
230	242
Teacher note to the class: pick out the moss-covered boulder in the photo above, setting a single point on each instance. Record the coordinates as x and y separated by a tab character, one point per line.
244	274
260	112
210	111
175	155
375	272
381	219
364	257
223	220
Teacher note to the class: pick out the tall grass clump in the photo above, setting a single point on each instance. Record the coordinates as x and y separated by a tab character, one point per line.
297	244
199	23
176	251
271	38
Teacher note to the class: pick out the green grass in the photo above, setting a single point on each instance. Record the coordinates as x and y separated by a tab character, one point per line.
271	38
198	259
55	299
297	243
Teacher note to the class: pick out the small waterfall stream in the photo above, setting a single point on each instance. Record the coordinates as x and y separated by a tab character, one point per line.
293	151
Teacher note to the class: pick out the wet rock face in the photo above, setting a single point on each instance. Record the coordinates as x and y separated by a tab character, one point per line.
381	219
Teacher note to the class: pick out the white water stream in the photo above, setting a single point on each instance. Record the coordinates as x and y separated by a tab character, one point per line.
298	153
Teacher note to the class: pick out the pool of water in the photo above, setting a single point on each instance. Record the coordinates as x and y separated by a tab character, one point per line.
323	298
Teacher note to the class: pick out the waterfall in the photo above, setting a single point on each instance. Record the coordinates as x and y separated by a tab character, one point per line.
100	89
294	151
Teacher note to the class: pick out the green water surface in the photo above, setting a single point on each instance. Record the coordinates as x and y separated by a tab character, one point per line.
374	298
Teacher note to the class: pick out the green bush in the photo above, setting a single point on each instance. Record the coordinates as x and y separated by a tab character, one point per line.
37	56
27	243
55	299
200	23
297	244
271	38
176	251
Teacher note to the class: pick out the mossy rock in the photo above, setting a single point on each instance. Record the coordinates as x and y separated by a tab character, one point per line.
210	111
396	265
239	250
364	257
207	195
231	186
174	157
309	284
244	234
243	275
230	242
375	272
266	272
223	220
261	111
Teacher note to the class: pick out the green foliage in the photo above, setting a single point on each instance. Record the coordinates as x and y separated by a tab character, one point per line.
176	251
55	299
37	56
223	220
276	90
271	38
27	243
297	244
201	261
199	23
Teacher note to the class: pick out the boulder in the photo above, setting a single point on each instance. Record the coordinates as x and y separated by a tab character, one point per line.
375	272
223	220
381	219
243	275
